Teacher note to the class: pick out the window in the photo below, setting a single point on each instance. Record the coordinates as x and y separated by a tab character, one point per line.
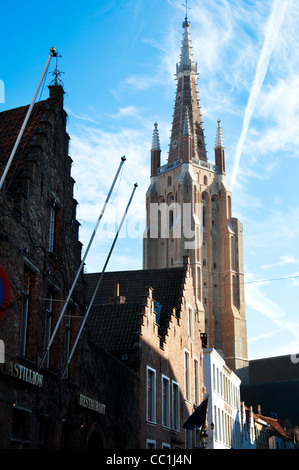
165	401
215	421
187	376
24	321
45	433
196	382
150	444
151	395
165	445
21	424
175	406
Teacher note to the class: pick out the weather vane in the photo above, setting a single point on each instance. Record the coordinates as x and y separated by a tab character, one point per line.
56	73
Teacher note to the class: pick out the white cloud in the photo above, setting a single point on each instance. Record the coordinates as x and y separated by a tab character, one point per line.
272	31
288	259
82	117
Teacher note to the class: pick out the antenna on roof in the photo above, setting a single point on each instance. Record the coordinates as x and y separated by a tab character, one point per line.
123	159
99	282
52	54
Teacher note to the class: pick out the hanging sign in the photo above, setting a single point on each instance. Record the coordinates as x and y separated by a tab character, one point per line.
4	292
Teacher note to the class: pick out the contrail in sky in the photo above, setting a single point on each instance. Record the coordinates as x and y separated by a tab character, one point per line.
272	30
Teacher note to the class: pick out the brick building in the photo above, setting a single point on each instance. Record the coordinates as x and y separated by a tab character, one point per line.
149	320
40	254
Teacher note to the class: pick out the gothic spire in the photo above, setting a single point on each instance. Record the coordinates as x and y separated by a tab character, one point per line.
187	97
187	63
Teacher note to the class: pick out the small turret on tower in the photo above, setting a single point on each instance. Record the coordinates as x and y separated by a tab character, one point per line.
155	151
219	150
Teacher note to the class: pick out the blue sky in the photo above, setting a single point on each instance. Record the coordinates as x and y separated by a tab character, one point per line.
119	59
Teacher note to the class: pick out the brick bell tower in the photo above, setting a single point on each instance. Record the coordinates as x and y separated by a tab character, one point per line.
189	212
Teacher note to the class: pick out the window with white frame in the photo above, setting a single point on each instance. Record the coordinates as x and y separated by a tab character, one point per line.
165	445
175	406
150	444
151	395
196	382
187	375
165	401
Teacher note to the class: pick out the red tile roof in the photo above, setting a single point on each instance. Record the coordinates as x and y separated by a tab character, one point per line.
276	427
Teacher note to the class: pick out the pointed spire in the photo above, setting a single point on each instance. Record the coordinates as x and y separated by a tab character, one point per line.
156	140
219	138
187	63
187	97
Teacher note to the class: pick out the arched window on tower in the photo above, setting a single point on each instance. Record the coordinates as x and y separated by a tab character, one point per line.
229	207
233	254
235	291
169	181
205	180
195	198
170	219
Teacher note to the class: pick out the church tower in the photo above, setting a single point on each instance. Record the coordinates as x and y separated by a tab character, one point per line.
189	212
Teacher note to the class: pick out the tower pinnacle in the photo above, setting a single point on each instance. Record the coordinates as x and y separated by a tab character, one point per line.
219	138
156	140
219	150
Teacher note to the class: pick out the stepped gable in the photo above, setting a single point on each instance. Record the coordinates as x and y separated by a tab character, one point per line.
13	119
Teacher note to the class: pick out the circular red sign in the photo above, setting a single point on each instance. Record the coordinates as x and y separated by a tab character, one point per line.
4	292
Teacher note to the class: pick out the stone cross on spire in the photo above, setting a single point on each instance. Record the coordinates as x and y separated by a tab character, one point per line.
187	8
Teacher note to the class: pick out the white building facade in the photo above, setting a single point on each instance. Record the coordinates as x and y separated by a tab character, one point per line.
228	426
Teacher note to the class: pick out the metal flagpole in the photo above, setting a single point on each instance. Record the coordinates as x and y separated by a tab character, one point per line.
53	53
99	282
123	159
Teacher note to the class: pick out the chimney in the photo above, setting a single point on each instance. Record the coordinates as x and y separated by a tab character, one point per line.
117	299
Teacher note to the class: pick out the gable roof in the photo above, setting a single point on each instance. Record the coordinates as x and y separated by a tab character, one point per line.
10	125
166	284
114	326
